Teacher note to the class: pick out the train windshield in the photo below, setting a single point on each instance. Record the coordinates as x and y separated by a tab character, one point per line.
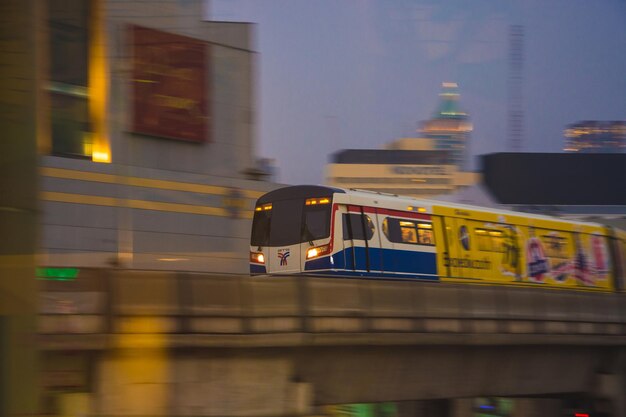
288	222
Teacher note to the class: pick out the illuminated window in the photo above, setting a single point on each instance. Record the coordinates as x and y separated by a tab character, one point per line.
68	77
408	231
77	82
490	240
426	236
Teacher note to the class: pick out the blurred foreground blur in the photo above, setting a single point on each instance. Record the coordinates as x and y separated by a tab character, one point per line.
128	181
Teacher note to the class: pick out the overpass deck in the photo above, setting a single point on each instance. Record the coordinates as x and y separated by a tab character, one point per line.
201	310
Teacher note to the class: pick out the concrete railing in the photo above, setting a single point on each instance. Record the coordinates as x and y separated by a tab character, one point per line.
213	310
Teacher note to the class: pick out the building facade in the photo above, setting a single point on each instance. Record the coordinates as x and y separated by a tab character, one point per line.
596	137
408	166
426	166
146	136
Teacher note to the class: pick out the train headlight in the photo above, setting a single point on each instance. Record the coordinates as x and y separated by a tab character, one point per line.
318	251
257	257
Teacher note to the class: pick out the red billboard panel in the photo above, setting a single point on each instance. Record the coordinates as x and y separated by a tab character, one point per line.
169	85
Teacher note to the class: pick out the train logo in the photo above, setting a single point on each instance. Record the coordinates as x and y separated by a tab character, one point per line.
464	237
283	254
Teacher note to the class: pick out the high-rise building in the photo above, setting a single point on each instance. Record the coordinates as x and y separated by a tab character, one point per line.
594	136
450	126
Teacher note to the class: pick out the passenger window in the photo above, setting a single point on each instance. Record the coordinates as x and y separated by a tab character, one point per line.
426	236
409	234
353	227
408	231
489	240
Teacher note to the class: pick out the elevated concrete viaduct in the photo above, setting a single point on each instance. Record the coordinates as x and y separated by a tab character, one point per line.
157	343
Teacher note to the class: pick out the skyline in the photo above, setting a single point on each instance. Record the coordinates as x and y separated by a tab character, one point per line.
338	75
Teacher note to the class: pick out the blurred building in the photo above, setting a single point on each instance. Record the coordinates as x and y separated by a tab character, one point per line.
580	186
146	135
408	166
449	127
596	137
427	166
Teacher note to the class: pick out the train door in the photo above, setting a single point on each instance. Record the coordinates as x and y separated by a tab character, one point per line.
441	244
458	239
511	260
618	250
361	241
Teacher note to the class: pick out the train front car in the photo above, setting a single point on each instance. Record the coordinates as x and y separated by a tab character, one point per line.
292	229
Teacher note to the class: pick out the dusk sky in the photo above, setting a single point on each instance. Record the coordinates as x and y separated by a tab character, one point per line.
337	74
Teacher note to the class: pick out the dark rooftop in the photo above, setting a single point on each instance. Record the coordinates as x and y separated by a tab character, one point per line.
556	178
391	157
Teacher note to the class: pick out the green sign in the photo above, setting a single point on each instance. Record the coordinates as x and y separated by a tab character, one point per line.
57	274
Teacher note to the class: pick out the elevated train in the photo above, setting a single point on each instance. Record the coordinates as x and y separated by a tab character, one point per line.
317	230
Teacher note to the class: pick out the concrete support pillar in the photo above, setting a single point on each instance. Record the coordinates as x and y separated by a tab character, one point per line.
133	383
610	393
160	382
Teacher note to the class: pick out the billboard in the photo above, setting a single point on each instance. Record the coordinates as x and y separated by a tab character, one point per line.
169	87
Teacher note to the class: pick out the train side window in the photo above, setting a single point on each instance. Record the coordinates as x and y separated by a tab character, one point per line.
482	240
408	231
490	240
392	229
352	223
370	227
497	240
425	234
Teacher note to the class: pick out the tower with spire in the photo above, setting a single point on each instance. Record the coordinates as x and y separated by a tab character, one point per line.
449	128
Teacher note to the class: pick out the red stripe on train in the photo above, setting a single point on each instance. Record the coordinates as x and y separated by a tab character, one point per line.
389	212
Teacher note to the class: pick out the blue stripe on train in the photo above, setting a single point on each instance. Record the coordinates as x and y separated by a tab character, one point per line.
386	260
372	274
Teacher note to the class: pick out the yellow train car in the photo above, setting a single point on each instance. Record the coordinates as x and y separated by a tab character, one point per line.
523	250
